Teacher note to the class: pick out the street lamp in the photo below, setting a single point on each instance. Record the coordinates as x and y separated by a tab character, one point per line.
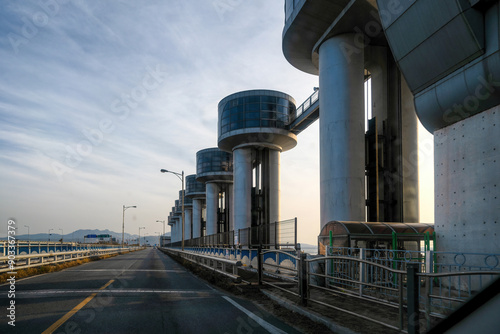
123	221
140	228
181	177
62	235
28	232
162	221
50	229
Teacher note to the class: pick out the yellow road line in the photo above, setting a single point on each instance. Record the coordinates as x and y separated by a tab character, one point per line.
77	308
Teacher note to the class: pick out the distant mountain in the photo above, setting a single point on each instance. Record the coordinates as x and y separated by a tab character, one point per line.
78	236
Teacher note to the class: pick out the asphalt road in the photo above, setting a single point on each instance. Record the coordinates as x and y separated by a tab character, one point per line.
140	292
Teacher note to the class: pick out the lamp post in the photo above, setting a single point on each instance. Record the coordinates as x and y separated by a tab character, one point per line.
162	221
28	232
123	221
62	235
181	177
50	229
140	228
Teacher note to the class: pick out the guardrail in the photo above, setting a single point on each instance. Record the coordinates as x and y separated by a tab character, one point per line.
21	247
11	262
374	282
404	290
305	105
277	234
219	265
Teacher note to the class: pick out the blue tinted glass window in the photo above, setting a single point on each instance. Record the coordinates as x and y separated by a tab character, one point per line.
253	123
252	107
269	99
282	110
237	125
283	117
268	106
268	115
283	102
252	99
236	117
253	115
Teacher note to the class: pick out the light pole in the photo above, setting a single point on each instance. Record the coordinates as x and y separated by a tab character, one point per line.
140	228
181	177
28	232
123	221
62	235
162	221
50	229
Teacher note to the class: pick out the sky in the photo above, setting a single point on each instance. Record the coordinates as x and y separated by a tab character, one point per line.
97	96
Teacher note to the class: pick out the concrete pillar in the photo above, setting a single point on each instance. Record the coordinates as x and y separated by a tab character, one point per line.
230	193
274	186
174	231
188	223
242	187
197	206
410	155
176	227
342	140
212	191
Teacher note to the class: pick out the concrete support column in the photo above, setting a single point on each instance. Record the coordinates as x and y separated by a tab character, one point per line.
212	192
409	155
230	194
188	223
197	206
342	139
174	231
177	230
274	186
242	187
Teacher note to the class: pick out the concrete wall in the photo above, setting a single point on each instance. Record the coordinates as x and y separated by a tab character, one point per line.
467	184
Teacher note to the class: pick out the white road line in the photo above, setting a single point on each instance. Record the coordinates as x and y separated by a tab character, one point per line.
111	291
125	270
267	326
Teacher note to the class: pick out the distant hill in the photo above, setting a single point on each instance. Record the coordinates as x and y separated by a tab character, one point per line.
78	236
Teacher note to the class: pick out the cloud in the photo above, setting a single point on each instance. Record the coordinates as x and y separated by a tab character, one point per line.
74	96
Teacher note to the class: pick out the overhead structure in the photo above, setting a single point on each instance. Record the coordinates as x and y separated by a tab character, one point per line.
214	168
252	126
437	59
196	192
451	61
365	174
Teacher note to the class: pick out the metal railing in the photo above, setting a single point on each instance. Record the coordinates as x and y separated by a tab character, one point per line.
305	105
277	234
220	265
402	289
12	262
405	289
37	247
